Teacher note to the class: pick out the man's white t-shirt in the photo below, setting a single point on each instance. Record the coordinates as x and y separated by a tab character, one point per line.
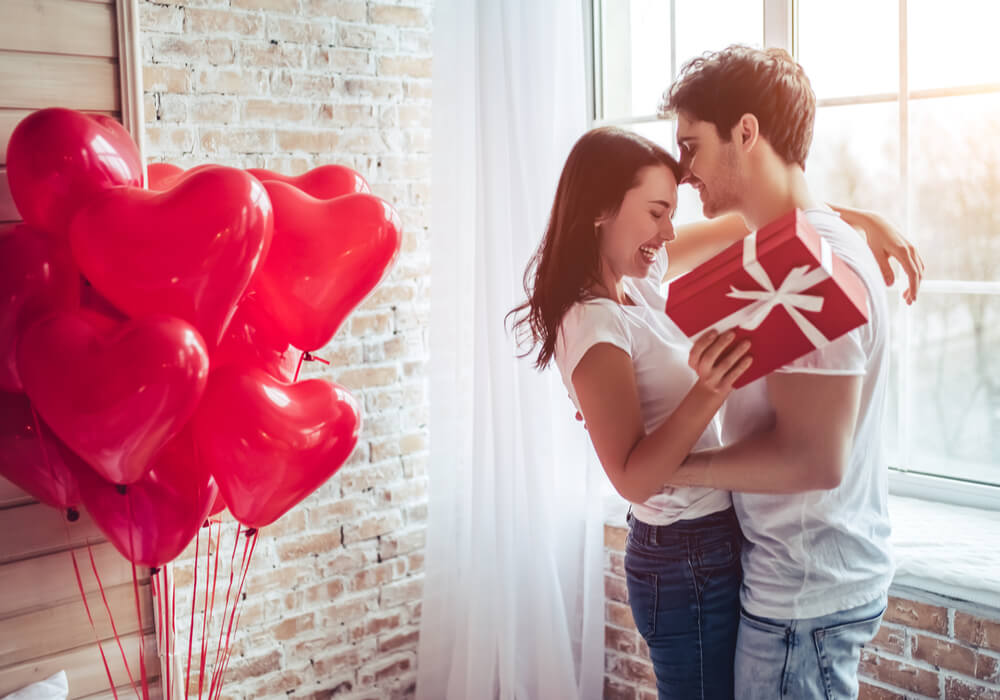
659	352
819	552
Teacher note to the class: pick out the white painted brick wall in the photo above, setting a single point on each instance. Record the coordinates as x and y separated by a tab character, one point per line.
333	596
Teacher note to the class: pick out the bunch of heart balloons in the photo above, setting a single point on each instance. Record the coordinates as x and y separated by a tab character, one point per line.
150	336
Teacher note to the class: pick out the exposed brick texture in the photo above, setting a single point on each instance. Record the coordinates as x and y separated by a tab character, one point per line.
331	603
923	649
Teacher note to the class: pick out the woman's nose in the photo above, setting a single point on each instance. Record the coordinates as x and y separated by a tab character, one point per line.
667	232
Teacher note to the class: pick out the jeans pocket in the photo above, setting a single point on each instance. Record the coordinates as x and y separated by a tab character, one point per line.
643	594
763	624
838	648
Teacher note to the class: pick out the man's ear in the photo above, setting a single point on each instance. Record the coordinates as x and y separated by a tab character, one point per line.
747	131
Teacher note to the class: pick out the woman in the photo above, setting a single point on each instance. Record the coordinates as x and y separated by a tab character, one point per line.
594	306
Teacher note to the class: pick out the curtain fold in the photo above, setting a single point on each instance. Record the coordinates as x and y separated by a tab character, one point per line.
513	603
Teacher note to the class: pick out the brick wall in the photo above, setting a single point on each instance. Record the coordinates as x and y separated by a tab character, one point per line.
927	646
333	595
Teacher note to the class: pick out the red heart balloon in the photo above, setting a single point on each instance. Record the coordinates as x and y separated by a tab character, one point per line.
324	182
117	398
37	276
188	252
164	176
34	458
59	159
327	255
157	516
251	341
270	444
218	505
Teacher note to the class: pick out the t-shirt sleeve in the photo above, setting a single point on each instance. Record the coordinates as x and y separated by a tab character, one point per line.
586	325
844	356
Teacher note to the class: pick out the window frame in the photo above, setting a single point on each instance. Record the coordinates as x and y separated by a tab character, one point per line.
781	30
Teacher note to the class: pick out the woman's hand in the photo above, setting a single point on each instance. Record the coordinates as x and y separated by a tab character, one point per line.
887	243
718	363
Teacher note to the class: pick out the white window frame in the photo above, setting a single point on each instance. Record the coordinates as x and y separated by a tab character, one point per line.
781	30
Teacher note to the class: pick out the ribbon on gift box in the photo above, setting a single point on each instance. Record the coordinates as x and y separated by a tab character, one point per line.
788	295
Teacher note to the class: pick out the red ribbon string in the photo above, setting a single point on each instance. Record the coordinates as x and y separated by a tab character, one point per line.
194	599
218	648
142	636
244	569
86	606
107	608
204	612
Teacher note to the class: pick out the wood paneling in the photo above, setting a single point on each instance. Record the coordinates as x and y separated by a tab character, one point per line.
59	27
60	628
83	667
38	582
35	81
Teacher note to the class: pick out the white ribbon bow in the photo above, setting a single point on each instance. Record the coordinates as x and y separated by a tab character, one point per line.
787	295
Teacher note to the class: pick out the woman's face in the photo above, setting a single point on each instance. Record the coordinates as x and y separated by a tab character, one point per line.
631	238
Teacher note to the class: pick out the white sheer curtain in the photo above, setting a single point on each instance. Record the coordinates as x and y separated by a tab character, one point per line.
513	595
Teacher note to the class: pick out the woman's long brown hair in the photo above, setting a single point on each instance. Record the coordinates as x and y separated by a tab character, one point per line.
603	165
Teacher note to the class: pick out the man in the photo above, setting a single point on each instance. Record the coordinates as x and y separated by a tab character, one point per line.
804	445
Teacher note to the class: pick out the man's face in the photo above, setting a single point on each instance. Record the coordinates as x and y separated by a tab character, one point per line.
713	165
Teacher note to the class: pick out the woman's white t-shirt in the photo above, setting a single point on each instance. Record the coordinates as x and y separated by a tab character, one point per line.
659	352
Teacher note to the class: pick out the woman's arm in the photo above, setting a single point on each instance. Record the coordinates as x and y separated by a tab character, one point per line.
638	464
887	244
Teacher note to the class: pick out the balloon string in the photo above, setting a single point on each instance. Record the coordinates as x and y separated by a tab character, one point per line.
142	636
86	606
211	606
173	621
245	569
204	611
307	357
225	608
135	585
223	663
161	637
107	608
194	599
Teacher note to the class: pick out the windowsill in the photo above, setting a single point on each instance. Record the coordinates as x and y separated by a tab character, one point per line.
940	548
946	549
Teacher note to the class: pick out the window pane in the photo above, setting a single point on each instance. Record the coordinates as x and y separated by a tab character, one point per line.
955	185
638	59
952	43
662	132
956	386
709	25
635	38
854	158
849	47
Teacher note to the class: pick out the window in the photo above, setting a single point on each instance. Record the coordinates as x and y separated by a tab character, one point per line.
908	124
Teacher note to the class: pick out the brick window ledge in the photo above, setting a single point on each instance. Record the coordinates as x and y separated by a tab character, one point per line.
947	550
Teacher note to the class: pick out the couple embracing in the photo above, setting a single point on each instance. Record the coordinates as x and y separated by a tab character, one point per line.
758	558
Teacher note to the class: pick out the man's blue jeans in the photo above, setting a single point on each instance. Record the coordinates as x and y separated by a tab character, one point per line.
684	590
811	659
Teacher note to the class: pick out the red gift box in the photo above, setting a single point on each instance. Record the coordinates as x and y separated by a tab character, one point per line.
782	287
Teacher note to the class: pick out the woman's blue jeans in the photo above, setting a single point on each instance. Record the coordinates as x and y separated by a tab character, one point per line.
684	590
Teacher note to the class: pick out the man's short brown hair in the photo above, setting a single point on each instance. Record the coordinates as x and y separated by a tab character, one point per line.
721	87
